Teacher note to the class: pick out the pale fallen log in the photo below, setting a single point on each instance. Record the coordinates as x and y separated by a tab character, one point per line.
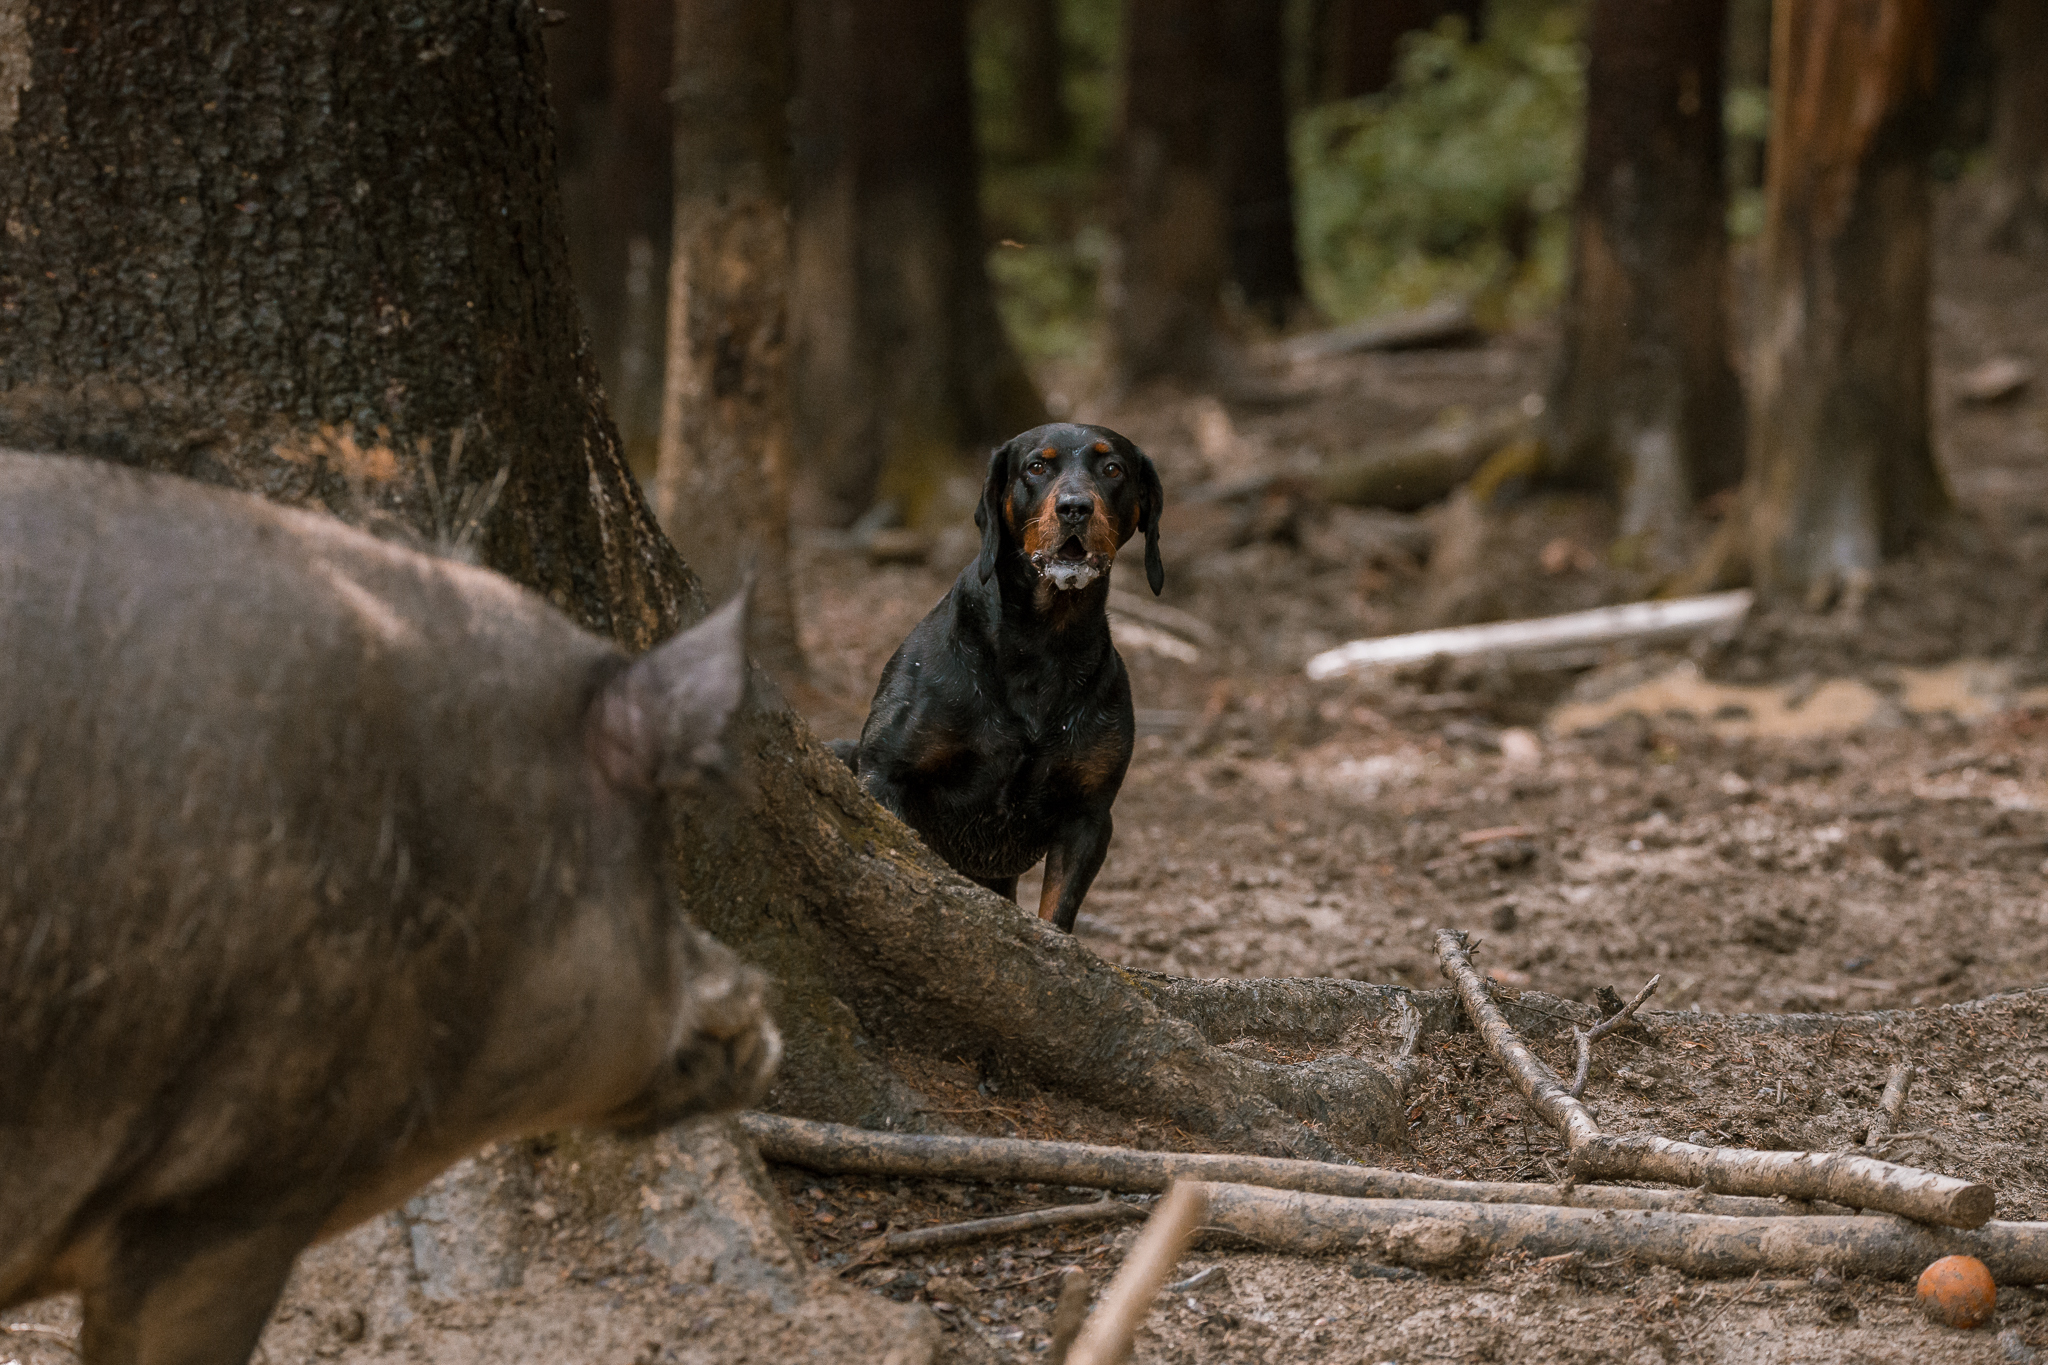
1105	1337
974	1230
836	1149
1447	322
1641	621
1433	1234
1859	1182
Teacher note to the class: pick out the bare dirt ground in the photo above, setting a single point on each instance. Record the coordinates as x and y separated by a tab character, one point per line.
1821	814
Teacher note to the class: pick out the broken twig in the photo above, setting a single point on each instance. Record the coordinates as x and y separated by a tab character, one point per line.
1105	1338
955	1234
836	1149
1891	1105
1858	1182
1588	1037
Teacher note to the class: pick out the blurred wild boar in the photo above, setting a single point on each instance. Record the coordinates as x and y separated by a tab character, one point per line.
322	863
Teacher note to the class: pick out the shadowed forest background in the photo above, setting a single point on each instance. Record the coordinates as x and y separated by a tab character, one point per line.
1432	313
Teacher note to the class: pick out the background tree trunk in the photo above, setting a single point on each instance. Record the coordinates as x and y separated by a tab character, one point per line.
1644	400
1841	463
1356	44
722	488
289	252
1045	126
902	365
1164	286
2017	216
300	283
1258	181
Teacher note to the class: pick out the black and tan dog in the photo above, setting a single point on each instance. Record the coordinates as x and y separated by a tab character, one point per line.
1002	727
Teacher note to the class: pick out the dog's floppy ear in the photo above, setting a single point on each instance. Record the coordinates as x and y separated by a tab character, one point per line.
1152	497
988	514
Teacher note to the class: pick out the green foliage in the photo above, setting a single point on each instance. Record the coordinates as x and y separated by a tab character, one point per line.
1457	181
1047	282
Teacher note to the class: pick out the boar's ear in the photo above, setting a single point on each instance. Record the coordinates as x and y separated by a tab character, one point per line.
661	722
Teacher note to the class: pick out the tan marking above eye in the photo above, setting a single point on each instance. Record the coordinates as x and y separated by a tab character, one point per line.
1049	452
1102	447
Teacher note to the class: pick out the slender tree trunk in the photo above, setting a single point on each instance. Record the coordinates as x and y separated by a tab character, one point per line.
722	490
1258	182
1045	127
1645	400
1842	467
299	281
1165	285
1356	44
2018	212
902	364
289	252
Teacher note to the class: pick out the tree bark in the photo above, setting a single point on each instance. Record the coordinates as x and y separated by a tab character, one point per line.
300	282
2017	215
1644	400
1045	126
1357	43
902	364
1842	466
1165	284
290	252
722	486
1258	180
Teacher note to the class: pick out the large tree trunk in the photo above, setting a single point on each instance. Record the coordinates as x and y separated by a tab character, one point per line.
722	488
1355	45
1645	401
290	254
1032	49
1842	468
2017	215
902	364
298	280
1165	285
1258	182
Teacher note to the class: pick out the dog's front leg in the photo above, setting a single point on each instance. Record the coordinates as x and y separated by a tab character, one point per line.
1070	867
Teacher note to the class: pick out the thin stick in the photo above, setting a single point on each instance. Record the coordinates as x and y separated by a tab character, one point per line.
1875	1245
837	1149
954	1234
1891	1106
1105	1338
1071	1313
1588	1037
1857	1182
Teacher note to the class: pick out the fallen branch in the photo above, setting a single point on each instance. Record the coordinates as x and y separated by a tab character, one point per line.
1603	625
954	1234
1447	322
836	1149
1071	1313
1587	1037
1437	1235
1105	1338
1858	1182
1891	1105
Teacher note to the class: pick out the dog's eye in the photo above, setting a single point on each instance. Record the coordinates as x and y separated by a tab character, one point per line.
1035	468
1113	470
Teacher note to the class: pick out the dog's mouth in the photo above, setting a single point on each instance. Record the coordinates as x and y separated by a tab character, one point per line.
1069	565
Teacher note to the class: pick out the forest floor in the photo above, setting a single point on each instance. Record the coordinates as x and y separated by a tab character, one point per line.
1824	814
1818	814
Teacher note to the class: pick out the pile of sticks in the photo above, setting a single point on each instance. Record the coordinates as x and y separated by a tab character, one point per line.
1740	1212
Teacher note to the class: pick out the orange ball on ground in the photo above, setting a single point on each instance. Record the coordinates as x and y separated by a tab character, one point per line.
1957	1291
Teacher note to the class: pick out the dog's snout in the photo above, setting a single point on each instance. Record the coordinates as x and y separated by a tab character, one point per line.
1075	506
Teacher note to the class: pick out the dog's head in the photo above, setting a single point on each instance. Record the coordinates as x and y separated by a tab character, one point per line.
1067	497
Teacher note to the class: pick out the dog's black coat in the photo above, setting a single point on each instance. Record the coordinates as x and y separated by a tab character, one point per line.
1002	727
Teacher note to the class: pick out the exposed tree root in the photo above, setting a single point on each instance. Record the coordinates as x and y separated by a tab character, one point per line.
836	1149
1442	1235
1838	1177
